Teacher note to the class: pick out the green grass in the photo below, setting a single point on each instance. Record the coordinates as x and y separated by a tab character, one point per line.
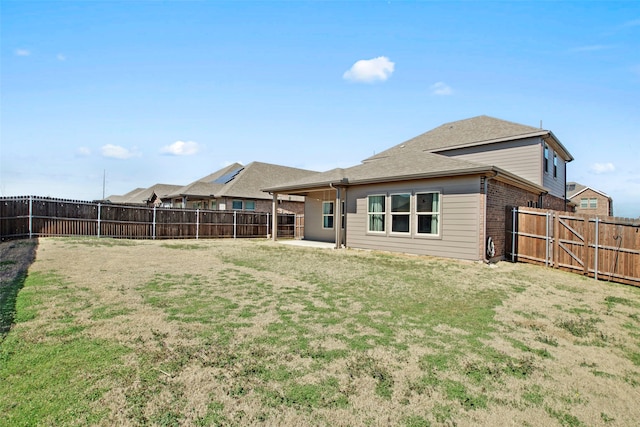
55	382
271	333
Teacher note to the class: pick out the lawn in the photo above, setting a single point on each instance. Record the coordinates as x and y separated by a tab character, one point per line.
252	332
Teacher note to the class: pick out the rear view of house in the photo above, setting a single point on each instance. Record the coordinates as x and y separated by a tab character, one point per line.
443	193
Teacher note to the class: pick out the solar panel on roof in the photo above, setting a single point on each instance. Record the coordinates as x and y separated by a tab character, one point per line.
227	177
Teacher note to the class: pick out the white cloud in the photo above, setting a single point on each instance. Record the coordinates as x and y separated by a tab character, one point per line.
441	88
83	152
181	148
118	152
23	52
370	70
599	168
61	57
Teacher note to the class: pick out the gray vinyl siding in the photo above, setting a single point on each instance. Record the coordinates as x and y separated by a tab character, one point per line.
522	157
556	186
313	217
459	219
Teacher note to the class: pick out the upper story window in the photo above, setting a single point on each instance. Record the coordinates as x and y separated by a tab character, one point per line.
546	158
588	203
400	213
555	165
327	214
376	213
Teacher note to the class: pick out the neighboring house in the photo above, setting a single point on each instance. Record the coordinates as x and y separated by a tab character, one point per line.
238	187
444	193
152	196
588	200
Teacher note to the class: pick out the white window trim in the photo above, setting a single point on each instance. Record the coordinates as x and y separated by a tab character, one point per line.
383	213
332	214
407	214
438	214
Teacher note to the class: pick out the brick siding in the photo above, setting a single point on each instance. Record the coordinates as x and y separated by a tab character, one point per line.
500	196
602	209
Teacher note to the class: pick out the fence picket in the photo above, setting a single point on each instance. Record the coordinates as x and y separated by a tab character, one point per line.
32	216
604	248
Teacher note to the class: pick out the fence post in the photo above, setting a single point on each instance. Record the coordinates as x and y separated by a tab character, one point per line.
267	225
234	223
197	223
153	226
546	239
595	262
556	238
99	215
513	233
30	217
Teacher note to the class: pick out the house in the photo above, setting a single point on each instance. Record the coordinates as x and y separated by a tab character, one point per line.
152	196
238	187
589	200
445	192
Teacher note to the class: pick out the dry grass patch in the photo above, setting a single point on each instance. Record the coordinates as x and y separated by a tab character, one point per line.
245	332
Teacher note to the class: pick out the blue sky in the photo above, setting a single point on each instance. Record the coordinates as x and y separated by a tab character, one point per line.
167	92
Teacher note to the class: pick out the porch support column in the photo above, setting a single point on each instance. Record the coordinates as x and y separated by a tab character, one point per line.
274	217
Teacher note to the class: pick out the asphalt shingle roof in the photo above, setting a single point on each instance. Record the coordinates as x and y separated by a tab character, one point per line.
463	133
242	181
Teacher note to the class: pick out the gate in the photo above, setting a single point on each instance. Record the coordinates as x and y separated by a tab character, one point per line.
604	248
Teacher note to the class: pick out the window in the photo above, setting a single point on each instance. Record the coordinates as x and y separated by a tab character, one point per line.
400	213
250	205
584	203
342	213
546	158
593	203
236	205
214	205
428	213
555	165
327	214
376	213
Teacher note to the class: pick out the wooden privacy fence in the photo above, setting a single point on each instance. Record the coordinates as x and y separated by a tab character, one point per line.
605	248
33	216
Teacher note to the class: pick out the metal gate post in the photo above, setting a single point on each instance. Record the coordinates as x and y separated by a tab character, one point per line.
153	226
267	225
513	233
30	217
595	262
234	223
197	223
99	215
